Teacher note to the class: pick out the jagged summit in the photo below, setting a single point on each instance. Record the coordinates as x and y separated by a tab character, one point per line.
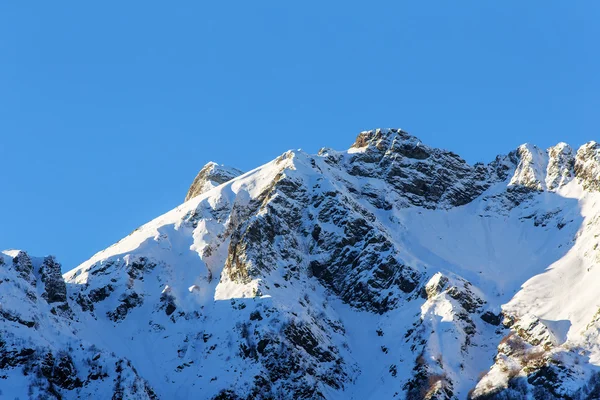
527	167
391	270
210	176
561	166
384	138
556	166
531	167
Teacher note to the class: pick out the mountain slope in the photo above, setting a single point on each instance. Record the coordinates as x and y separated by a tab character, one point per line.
390	270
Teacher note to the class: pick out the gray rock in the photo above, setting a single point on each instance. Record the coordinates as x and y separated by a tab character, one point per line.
55	288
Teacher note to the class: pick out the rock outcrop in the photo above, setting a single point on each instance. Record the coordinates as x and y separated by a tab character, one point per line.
561	166
587	166
210	176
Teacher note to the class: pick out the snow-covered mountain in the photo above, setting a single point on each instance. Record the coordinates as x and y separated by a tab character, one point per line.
392	270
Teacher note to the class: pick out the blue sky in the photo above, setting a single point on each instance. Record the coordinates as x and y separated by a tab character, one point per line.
109	109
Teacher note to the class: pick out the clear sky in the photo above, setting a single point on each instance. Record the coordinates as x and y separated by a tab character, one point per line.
109	109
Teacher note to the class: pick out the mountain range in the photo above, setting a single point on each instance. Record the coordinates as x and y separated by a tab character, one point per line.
391	270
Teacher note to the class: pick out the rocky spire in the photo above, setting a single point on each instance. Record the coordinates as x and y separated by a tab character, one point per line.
391	140
531	169
55	290
561	161
210	176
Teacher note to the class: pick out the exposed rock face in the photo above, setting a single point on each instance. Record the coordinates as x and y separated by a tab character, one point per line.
561	166
210	176
434	178
391	270
23	265
424	176
55	289
587	165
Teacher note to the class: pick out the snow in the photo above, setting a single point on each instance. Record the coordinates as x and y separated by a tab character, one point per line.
497	254
535	259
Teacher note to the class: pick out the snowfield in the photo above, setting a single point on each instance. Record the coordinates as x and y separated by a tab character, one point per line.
391	270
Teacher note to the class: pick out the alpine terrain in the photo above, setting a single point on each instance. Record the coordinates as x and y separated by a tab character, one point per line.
391	270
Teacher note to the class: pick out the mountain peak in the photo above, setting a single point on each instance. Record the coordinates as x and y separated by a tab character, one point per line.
389	139
210	176
587	165
561	162
531	169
